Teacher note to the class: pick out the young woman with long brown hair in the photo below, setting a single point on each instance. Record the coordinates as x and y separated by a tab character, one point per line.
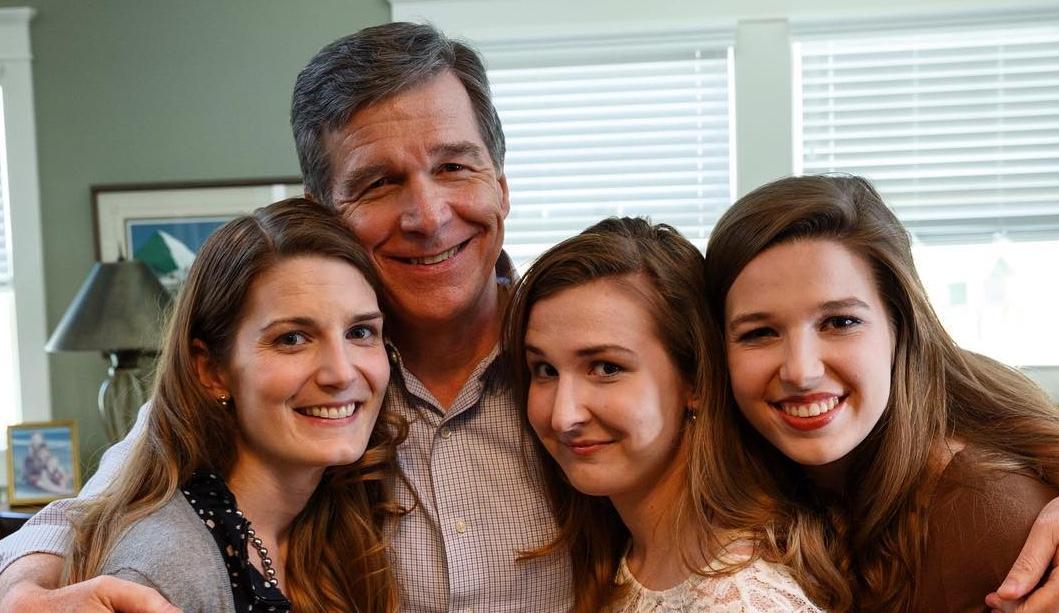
605	339
264	410
890	469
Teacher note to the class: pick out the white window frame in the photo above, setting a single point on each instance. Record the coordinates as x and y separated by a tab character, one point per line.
23	197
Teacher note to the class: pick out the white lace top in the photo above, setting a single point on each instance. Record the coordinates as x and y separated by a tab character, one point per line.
761	587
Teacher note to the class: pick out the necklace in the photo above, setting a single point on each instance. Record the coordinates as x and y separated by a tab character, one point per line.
266	562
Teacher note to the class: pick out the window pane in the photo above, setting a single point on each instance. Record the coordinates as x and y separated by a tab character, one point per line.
595	130
8	383
958	128
997	298
5	212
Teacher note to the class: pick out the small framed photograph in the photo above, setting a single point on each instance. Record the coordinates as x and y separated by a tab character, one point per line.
42	462
164	224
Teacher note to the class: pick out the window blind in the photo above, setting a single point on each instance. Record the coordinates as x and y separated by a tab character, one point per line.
958	126
612	126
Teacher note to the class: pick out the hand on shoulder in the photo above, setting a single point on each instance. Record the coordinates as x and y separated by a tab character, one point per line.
1022	590
97	595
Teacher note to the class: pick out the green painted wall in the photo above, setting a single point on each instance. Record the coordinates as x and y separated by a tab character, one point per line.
157	90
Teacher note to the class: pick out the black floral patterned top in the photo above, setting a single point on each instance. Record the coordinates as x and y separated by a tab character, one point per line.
215	504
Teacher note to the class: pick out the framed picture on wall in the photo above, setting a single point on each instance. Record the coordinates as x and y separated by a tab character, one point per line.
164	224
42	462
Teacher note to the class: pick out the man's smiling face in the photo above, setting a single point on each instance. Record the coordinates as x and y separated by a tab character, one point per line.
415	183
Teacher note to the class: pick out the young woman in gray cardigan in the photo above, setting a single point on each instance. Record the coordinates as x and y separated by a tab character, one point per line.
259	483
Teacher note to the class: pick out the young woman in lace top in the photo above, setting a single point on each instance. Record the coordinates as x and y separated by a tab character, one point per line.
605	338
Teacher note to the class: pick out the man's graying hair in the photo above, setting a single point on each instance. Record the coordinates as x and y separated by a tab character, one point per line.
367	66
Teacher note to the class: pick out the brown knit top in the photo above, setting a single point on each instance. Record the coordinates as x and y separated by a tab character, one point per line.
978	520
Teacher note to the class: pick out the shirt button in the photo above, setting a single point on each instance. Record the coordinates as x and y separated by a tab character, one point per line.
461	527
446	432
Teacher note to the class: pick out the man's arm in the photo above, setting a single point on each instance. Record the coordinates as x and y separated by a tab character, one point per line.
1022	590
29	586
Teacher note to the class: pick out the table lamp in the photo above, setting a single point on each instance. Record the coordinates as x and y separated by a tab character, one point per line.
119	311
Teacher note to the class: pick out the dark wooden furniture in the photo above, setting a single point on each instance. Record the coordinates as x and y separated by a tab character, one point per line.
12	519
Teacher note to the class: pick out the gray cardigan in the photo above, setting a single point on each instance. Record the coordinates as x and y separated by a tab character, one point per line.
172	551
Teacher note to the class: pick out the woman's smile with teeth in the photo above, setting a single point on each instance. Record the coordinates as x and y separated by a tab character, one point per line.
330	412
811	409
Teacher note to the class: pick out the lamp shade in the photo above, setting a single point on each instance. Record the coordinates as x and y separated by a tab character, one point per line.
120	307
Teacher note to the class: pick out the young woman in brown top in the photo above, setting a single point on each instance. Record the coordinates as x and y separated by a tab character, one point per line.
889	468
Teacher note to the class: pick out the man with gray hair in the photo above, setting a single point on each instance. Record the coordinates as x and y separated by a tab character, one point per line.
396	130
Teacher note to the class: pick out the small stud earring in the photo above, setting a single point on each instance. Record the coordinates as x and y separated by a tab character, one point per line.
225	401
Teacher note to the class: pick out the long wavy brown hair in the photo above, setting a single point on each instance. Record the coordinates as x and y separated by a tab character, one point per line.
590	529
337	557
861	552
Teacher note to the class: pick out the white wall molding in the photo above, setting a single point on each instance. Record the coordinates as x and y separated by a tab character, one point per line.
763	86
14	33
23	196
482	20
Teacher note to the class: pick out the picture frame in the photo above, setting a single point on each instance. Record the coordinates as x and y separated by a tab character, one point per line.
164	224
43	462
